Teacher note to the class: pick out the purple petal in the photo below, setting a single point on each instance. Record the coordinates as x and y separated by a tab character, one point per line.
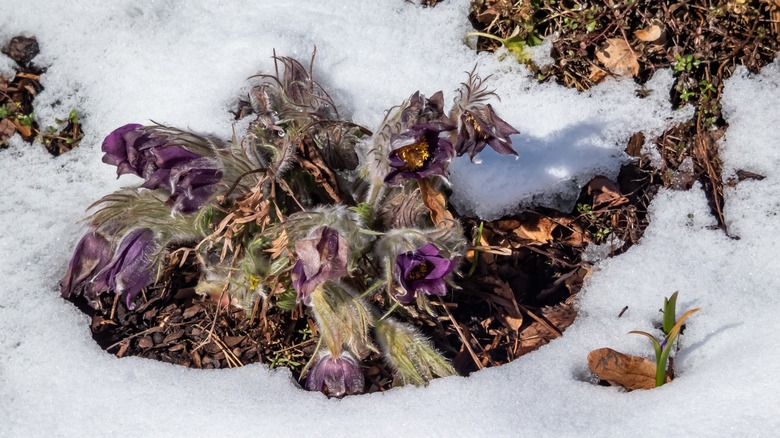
91	255
130	270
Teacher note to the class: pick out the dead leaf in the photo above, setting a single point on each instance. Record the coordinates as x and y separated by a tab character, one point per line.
596	74
630	372
618	57
648	35
434	200
537	230
510	314
635	144
605	193
7	129
25	131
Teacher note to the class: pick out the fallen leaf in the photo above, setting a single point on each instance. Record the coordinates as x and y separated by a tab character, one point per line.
434	200
605	193
650	34
537	230
510	314
630	372
7	129
618	57
635	144
596	74
25	131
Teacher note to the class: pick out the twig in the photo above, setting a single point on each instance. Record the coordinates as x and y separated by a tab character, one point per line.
466	343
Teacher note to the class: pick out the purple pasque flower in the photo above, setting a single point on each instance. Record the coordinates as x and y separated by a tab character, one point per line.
321	257
190	178
418	153
423	271
192	184
131	268
336	376
430	111
481	126
91	255
129	148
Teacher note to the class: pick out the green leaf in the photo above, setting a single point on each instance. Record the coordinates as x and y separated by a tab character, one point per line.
670	313
656	345
660	375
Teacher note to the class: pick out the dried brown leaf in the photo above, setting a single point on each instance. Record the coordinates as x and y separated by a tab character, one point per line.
618	57
537	230
597	74
605	193
510	315
648	35
434	200
7	129
25	131
630	372
635	144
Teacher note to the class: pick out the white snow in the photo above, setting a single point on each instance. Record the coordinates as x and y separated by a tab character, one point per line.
184	63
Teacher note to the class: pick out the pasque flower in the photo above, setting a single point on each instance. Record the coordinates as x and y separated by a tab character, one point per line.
320	258
428	111
418	153
336	376
481	126
129	149
131	267
423	271
190	178
91	255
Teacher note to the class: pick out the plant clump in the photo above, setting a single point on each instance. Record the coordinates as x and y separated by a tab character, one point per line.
317	230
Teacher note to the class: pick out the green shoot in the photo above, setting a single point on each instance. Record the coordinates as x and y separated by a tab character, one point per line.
513	43
670	313
671	329
477	241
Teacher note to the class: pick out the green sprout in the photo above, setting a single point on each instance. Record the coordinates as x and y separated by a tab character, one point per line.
685	63
26	119
514	43
671	328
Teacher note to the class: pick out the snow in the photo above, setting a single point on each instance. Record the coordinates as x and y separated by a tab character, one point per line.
184	64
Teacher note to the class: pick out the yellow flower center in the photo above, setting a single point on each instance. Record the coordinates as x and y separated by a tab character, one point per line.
471	120
419	271
415	155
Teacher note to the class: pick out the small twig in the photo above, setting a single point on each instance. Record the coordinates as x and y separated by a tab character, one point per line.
466	343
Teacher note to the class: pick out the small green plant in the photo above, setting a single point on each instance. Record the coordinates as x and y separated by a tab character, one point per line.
671	328
685	63
25	119
686	94
514	43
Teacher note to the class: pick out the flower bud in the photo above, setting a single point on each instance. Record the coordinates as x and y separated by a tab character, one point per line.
131	268
336	376
320	258
413	357
92	253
